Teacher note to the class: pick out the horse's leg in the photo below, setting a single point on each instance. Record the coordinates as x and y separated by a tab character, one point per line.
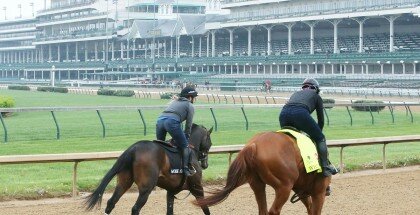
282	195
318	196
124	182
259	191
145	183
169	203
308	204
198	192
317	203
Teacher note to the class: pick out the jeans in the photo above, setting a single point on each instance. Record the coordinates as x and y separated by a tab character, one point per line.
300	118
173	127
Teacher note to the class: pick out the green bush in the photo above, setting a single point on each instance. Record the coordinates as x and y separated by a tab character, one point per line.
124	93
6	102
167	95
18	87
328	102
106	92
109	92
371	105
53	89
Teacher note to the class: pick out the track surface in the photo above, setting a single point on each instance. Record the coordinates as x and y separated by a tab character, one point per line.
394	191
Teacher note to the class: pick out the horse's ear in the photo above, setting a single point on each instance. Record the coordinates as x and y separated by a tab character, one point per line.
210	130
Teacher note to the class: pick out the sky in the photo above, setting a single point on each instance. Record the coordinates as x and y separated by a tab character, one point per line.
12	11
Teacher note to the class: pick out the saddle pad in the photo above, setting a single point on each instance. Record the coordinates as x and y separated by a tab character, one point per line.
307	150
174	156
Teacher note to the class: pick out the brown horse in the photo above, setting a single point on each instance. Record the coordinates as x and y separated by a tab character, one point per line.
273	158
147	164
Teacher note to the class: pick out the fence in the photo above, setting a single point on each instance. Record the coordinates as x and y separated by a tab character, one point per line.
250	114
93	156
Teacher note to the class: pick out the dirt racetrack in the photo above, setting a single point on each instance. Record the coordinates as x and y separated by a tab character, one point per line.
394	191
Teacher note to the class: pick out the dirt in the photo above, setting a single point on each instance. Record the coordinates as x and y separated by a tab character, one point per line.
394	191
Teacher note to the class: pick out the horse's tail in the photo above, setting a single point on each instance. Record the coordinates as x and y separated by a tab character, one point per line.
123	162
237	176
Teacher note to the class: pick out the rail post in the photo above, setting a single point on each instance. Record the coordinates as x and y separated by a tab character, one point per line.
214	118
328	118
341	159
351	118
371	116
242	101
234	102
384	157
246	119
142	120
74	193
226	101
391	109
56	125
4	128
102	122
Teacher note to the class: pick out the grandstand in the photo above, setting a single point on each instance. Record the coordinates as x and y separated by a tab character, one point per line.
221	41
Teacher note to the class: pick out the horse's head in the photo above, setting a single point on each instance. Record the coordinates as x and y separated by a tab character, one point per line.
200	138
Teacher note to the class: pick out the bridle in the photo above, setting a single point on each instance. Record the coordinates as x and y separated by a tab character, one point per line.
202	155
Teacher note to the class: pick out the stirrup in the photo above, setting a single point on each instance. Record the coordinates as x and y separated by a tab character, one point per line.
329	170
190	171
328	191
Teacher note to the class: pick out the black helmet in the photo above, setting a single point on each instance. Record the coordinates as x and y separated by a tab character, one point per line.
188	91
312	83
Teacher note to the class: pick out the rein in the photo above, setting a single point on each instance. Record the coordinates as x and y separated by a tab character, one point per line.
297	197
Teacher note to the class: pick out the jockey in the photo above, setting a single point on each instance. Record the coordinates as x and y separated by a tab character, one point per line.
170	122
297	113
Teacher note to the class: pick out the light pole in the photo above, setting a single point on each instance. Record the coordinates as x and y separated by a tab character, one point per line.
106	34
20	10
5	9
154	31
32	6
52	76
128	27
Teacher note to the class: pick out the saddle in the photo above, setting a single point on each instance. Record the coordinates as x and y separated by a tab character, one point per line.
307	148
174	155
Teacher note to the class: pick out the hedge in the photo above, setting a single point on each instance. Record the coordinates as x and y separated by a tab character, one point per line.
372	105
167	95
329	102
106	92
53	89
109	92
6	102
18	87
124	93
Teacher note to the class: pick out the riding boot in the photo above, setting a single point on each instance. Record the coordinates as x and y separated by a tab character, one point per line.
327	168
185	162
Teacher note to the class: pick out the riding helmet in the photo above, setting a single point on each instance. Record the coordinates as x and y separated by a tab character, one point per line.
311	82
188	91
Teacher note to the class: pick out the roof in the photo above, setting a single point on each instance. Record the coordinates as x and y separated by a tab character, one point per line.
184	25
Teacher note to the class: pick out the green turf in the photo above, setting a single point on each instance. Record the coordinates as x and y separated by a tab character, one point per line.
81	131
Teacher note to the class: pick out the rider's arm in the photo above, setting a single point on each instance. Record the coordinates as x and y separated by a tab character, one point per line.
189	120
320	112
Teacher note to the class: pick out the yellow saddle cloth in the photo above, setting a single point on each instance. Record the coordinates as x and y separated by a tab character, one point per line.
307	150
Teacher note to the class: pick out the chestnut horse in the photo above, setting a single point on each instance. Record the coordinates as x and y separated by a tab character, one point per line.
273	158
147	164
